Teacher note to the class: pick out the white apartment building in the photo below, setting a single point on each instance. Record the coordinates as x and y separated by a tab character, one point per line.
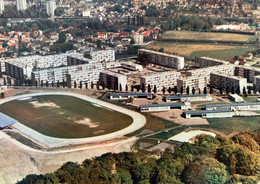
207	62
257	82
163	79
247	72
196	82
223	81
21	5
2	6
163	59
84	77
103	55
139	39
228	69
50	7
112	80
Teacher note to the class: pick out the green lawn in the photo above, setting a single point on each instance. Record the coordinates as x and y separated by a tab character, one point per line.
62	121
222	54
250	99
235	124
170	133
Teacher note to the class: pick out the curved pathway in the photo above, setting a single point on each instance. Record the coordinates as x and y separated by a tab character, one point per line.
51	142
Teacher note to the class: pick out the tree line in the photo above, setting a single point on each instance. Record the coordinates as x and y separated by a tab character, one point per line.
212	160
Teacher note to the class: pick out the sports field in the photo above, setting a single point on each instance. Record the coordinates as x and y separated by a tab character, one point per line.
192	50
212	36
65	116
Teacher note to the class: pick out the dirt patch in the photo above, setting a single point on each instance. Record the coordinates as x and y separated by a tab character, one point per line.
37	104
88	122
98	132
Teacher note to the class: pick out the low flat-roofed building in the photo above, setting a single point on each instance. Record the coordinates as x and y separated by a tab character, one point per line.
164	107
235	98
209	114
6	121
223	81
132	66
191	98
207	62
124	96
234	106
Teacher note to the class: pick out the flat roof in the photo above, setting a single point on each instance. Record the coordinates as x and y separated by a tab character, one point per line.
231	104
130	94
163	105
184	96
6	120
206	112
161	53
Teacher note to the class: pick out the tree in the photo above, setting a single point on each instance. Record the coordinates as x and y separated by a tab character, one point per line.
47	83
249	90
163	90
155	89
2	95
4	81
80	84
86	85
193	91
149	88
254	89
132	88
220	91
244	91
75	84
97	85
92	85
62	37
169	90
63	83
103	86
233	89
205	90
126	87
181	90
199	91
120	87
52	84
143	88
41	83
175	90
58	83
188	90
161	50
210	90
227	89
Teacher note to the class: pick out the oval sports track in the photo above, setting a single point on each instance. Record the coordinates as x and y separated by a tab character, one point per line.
51	142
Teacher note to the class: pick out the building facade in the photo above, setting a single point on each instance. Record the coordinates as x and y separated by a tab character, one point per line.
2	6
160	80
223	81
196	82
50	7
207	62
163	59
247	72
21	5
112	80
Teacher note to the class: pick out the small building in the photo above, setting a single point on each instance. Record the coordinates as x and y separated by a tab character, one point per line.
234	106
191	98
125	96
209	114
164	107
6	121
132	66
235	98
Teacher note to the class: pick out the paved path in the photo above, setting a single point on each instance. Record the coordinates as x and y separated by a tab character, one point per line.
51	142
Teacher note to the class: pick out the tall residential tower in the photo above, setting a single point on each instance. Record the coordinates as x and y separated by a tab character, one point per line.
50	7
21	5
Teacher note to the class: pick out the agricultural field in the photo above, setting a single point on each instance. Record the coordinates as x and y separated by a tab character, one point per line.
65	116
192	50
212	36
